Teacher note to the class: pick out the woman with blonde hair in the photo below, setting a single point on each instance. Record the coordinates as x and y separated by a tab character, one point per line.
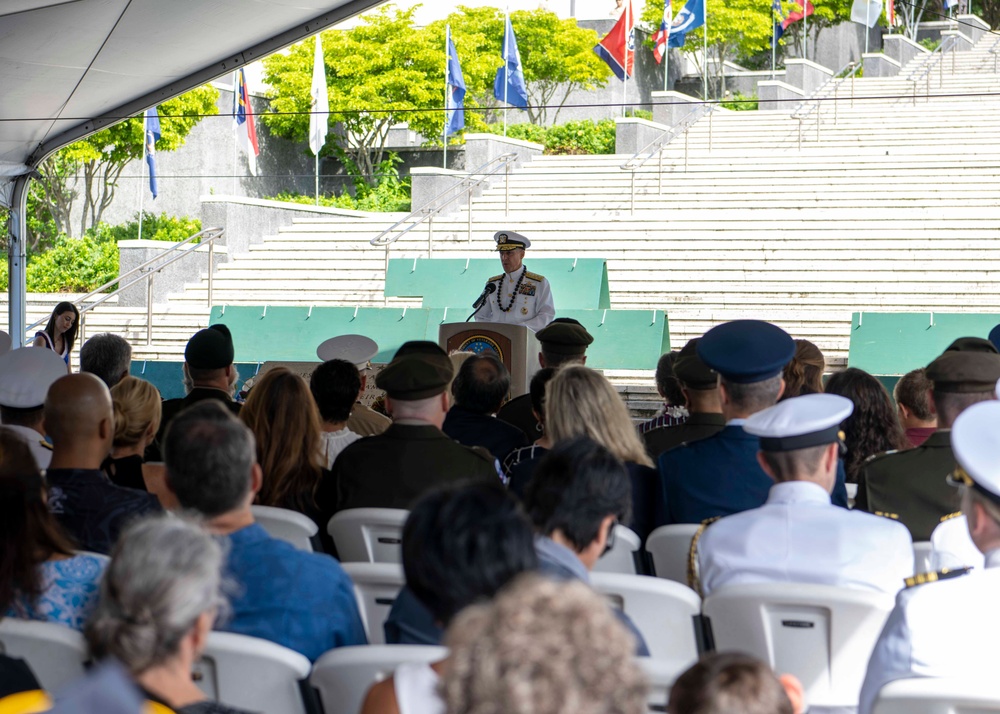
285	422
137	406
582	402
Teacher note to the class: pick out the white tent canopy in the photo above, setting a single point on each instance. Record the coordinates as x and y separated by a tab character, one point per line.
69	68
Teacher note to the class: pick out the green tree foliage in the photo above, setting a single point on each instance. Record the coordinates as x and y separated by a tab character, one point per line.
391	193
100	159
574	137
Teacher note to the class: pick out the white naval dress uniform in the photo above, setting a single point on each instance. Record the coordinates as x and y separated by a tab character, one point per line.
532	307
799	536
952	546
34	440
947	628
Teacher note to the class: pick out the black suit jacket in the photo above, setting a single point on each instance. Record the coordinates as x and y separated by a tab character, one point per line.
472	429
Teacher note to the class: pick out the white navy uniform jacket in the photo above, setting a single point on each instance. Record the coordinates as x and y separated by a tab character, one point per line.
952	546
36	444
533	306
799	536
947	628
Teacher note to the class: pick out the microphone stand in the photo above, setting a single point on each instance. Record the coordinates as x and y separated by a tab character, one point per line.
481	300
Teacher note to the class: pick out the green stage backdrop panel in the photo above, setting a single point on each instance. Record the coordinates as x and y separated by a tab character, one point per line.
577	284
624	339
167	376
294	333
894	343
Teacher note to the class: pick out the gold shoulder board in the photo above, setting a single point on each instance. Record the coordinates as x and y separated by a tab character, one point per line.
694	581
884	514
944	574
495	277
956	514
45	444
533	276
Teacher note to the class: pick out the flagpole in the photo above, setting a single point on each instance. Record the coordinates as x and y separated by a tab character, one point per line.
236	138
774	41
142	191
868	26
704	32
506	67
447	51
805	29
628	4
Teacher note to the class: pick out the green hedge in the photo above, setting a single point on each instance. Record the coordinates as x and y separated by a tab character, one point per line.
573	137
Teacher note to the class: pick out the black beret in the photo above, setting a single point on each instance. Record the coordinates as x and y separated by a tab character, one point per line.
416	376
419	347
691	371
211	348
746	351
564	336
971	344
965	372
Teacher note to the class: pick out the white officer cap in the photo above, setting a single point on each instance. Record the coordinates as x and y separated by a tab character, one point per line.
509	240
356	349
975	439
800	422
26	375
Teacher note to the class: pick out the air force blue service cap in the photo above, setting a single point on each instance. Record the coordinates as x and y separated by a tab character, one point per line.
746	351
995	337
356	349
800	422
975	439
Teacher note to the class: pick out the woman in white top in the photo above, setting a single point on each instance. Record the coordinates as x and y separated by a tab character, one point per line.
60	332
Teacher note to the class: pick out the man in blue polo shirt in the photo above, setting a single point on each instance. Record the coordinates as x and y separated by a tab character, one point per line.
303	601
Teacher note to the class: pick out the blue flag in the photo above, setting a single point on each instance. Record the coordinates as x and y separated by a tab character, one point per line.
151	130
454	115
509	83
779	22
690	18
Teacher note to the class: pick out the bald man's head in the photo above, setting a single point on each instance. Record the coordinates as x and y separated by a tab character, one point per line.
78	410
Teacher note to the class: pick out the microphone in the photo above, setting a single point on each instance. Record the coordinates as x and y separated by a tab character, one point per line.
487	291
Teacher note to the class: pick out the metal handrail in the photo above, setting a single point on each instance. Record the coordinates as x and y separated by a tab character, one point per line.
813	100
425	212
928	62
146	271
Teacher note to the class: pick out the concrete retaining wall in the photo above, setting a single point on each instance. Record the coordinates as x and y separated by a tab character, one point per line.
171	279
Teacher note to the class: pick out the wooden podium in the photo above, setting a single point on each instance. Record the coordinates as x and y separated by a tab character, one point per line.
515	345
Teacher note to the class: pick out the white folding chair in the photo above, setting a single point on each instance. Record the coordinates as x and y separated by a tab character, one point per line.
376	586
922	556
287	525
620	558
669	546
661	675
662	611
938	696
55	653
254	674
344	675
368	535
823	635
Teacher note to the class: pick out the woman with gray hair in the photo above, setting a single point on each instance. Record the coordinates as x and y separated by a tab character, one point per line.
159	599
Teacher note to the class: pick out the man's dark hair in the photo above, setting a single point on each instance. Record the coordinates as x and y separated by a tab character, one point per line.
950	404
912	391
481	385
667	384
106	356
754	396
577	484
728	683
12	416
335	386
209	455
461	544
536	389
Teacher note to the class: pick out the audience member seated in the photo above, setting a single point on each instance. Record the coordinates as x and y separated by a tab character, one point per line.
542	647
359	351
944	622
700	389
735	683
41	578
580	491
393	469
873	427
209	373
304	601
108	356
720	475
335	386
480	388
137	408
913	406
461	545
161	595
582	402
798	535
562	341
674	410
286	427
910	485
80	420
520	463
25	377
804	374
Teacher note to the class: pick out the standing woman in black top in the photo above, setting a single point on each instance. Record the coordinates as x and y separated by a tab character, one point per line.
60	332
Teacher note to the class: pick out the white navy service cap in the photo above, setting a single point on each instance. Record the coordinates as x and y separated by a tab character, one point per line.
800	422
26	375
975	439
356	349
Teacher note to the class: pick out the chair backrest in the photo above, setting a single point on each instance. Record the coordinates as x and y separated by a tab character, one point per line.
344	675
823	635
938	696
368	535
662	611
55	653
621	558
922	556
286	525
669	546
253	674
661	675
376	586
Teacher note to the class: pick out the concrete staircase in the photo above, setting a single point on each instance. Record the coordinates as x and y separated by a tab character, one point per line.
887	204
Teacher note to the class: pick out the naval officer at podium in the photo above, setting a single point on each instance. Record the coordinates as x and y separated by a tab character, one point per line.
517	296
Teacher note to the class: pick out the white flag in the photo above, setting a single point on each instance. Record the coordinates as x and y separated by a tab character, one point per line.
319	120
866	12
